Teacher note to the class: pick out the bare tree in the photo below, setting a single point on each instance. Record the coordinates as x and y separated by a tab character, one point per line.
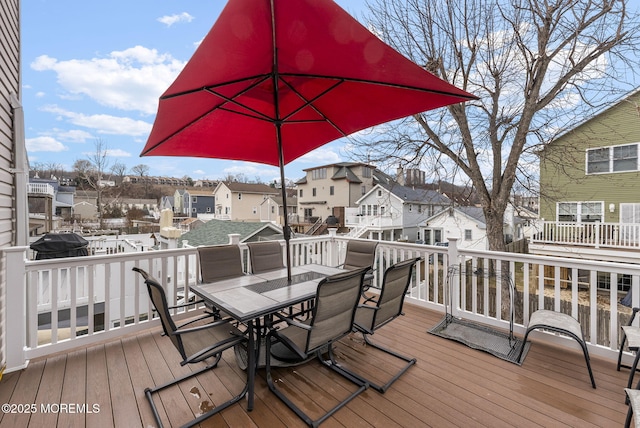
119	170
142	171
91	172
537	67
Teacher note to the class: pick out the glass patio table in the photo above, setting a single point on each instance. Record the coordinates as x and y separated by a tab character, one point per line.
250	298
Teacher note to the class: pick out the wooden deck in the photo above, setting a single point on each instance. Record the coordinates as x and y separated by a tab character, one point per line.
451	385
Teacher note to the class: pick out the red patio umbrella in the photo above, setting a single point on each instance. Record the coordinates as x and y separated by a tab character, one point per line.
275	79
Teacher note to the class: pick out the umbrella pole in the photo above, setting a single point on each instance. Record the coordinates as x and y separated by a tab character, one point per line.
283	188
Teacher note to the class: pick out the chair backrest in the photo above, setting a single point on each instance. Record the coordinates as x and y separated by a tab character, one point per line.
394	287
220	262
159	300
336	300
360	254
265	256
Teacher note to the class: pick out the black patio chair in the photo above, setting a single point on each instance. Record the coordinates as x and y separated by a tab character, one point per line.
217	263
380	311
196	342
361	253
332	318
265	256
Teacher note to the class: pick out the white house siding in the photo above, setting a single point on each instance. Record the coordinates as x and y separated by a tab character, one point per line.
454	226
9	88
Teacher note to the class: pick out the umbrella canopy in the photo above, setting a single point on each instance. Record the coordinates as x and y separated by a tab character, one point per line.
275	79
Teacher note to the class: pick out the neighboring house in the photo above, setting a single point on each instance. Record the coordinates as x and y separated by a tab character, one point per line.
272	208
393	212
189	224
47	196
467	224
166	203
592	174
329	189
197	202
85	205
148	206
241	201
216	232
178	202
205	183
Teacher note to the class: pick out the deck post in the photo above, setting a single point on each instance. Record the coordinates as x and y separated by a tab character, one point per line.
453	260
15	306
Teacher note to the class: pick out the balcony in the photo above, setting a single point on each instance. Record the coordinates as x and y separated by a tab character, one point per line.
597	235
85	332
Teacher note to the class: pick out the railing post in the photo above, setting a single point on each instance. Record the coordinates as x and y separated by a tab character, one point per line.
454	276
15	336
597	227
332	248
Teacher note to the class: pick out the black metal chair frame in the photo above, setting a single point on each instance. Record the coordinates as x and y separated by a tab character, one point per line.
375	325
175	333
275	335
564	331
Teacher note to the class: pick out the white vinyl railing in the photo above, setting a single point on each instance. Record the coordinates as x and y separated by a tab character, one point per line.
597	234
58	304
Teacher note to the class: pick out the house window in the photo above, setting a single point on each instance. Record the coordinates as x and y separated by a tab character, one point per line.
381	209
366	172
273	209
194	199
580	211
239	196
313	192
318	174
331	190
301	193
208	209
363	190
625	158
194	210
375	210
612	159
379	193
467	234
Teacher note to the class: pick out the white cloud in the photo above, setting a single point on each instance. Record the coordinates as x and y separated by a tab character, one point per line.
130	80
102	123
44	144
169	20
320	156
250	170
73	135
118	153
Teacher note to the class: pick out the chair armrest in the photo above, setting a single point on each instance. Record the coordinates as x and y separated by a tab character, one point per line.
203	327
195	302
293	322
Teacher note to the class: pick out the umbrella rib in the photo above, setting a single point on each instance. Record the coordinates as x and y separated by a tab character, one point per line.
380	83
310	102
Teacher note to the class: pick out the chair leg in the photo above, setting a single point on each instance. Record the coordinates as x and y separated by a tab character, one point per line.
150	391
624	340
302	415
633	369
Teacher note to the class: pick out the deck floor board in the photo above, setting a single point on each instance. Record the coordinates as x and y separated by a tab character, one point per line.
450	385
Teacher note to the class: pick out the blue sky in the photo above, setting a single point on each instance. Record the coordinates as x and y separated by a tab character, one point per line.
96	69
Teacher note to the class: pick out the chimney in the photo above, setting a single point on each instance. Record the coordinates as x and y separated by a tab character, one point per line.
400	176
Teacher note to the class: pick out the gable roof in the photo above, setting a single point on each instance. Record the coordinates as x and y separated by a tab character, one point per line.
473	213
216	232
410	194
260	188
595	115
